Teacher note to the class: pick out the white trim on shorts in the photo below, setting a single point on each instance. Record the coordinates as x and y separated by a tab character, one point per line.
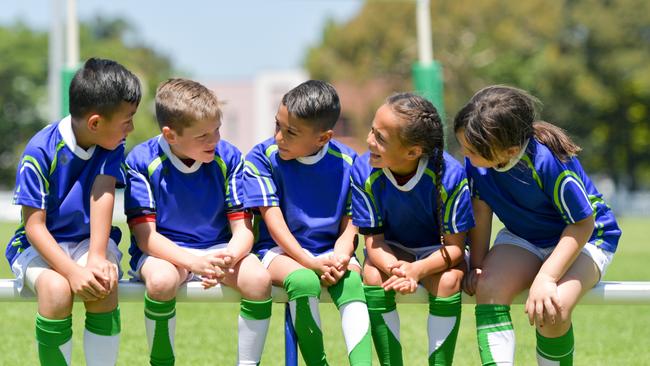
29	264
272	253
602	258
137	274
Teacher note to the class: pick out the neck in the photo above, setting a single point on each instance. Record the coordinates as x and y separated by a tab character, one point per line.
406	168
81	134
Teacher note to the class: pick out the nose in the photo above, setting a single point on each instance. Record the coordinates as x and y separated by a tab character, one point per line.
370	140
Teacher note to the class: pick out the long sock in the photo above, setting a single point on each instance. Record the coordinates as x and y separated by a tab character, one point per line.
54	340
102	338
254	318
442	327
555	351
303	289
349	299
384	322
495	334
160	323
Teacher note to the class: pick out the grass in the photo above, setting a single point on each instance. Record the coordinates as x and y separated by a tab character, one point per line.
207	333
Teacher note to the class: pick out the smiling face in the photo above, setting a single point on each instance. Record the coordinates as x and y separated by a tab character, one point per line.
386	147
109	132
296	137
196	142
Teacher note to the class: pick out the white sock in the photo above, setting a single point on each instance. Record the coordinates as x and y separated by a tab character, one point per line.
101	350
252	334
355	322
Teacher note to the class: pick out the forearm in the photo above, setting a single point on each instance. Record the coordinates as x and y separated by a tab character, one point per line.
241	243
573	238
479	235
102	201
345	243
41	239
157	245
446	257
282	236
380	254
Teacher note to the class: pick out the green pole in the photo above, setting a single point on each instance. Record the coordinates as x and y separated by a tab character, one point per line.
428	82
67	73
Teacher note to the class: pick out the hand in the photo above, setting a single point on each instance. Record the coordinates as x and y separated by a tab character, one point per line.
211	265
341	261
405	277
208	282
543	299
83	283
109	270
332	277
321	265
403	285
470	280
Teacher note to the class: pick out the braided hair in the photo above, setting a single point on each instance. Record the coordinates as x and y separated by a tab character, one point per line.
422	126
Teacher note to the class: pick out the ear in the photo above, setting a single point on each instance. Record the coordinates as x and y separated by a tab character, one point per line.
414	152
93	122
324	137
513	151
169	135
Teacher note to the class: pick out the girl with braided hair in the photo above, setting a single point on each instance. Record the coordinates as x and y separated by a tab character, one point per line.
559	234
411	201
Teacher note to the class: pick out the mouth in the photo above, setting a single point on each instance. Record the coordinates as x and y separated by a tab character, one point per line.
374	156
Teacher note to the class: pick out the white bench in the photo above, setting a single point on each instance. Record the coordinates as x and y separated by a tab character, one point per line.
607	292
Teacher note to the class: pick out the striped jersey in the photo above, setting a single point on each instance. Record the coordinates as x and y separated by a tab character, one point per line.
190	203
408	214
538	197
313	192
56	175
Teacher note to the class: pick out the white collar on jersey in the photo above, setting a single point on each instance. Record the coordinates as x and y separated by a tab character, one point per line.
422	166
313	159
65	128
176	162
514	160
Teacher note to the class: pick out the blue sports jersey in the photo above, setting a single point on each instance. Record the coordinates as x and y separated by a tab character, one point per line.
190	202
408	214
56	175
537	198
313	192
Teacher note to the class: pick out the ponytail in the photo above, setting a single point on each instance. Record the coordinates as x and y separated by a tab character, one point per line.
556	139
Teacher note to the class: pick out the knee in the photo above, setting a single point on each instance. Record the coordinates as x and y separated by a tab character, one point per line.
255	284
161	286
302	282
487	286
450	283
55	294
371	275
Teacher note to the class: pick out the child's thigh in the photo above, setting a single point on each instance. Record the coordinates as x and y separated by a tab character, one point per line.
161	277
507	271
579	278
281	267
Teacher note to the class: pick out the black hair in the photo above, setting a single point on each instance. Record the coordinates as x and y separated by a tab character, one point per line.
315	101
499	117
101	85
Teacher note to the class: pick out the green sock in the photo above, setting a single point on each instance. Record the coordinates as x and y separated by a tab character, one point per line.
550	351
442	326
254	318
384	322
160	322
303	289
495	334
349	298
51	334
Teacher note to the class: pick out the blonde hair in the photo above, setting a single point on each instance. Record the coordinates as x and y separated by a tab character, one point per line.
182	102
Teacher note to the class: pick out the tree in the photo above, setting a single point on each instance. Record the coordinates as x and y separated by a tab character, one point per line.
585	59
23	81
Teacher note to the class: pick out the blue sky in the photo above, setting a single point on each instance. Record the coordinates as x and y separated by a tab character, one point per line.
215	39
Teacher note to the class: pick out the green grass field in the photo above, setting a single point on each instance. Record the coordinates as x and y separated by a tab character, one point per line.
206	334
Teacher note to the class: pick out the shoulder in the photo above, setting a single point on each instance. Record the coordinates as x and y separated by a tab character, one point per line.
44	142
266	148
144	153
343	151
227	151
362	172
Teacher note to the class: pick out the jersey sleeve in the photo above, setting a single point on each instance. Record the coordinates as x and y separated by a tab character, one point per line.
365	213
457	215
563	184
234	168
32	179
113	166
138	195
470	170
259	188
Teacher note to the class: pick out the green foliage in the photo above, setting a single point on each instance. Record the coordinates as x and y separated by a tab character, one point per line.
585	59
23	81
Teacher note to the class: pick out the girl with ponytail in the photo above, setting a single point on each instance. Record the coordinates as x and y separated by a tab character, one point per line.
559	234
411	201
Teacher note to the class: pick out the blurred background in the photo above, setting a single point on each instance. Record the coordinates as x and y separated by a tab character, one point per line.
587	60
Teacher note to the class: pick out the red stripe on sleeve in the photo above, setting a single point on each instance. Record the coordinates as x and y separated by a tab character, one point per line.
140	219
239	215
